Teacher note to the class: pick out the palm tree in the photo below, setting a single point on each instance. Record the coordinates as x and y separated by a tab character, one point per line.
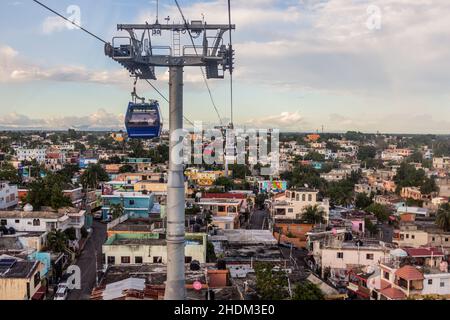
57	241
313	214
443	217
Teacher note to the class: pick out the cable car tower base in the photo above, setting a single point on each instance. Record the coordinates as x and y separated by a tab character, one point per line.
137	56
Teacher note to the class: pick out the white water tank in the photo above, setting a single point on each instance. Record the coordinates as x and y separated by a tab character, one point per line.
28	208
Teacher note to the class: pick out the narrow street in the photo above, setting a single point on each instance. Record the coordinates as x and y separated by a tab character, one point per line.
87	264
258	220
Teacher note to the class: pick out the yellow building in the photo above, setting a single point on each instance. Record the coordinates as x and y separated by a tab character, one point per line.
118	136
206	178
20	280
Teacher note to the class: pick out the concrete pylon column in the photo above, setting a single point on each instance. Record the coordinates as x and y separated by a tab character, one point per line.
175	285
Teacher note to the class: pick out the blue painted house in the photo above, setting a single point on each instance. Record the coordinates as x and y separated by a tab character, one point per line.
135	204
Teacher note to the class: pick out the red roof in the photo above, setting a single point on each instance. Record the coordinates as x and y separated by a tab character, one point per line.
424	252
384	284
224	196
409	273
393	293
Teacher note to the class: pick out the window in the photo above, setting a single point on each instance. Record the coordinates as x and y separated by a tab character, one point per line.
304	197
111	260
310	197
17	221
386	275
138	260
369	256
413	236
442	284
407	236
446	239
290	210
433	239
36	222
187	259
157	259
131	202
3	222
297	197
340	255
430	281
125	260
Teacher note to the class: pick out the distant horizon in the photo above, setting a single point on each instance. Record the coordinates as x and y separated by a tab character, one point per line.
2	130
344	65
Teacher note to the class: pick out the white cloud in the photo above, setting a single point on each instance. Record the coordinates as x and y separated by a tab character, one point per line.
14	68
284	120
99	120
53	24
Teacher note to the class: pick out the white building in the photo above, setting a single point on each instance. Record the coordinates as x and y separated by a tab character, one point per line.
43	221
340	259
24	154
8	196
292	203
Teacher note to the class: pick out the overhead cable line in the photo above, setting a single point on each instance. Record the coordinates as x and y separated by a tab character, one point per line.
101	40
196	52
70	21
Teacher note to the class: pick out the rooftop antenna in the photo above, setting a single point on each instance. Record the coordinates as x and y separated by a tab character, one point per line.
157	11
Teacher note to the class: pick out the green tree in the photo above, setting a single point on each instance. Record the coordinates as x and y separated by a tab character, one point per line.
315	156
9	173
443	217
117	210
93	175
307	291
428	186
370	226
58	199
210	253
362	201
57	241
239	171
71	234
225	182
313	214
367	152
270	284
380	211
126	169
37	194
69	171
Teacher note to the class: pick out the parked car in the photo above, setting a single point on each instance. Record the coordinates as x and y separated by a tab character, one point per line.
62	292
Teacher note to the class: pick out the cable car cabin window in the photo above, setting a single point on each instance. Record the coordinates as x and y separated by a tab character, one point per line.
144	118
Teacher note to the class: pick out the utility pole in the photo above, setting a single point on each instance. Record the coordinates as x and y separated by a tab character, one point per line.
137	55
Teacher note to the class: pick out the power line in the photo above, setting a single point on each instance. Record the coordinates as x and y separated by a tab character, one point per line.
167	100
201	69
68	20
100	39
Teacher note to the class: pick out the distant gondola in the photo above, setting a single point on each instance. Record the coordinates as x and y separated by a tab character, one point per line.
143	120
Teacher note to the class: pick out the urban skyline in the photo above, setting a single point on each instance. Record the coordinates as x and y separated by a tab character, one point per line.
336	70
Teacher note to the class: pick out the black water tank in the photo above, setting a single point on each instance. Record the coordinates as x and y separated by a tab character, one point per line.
221	264
195	265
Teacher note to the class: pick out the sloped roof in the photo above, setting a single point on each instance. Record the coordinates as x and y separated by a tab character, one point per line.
424	252
409	273
393	293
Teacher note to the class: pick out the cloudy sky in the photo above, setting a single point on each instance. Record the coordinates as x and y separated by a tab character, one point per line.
369	65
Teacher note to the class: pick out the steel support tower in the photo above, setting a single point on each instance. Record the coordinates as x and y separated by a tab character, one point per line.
140	57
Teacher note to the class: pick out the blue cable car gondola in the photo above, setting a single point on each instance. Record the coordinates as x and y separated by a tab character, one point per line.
143	120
